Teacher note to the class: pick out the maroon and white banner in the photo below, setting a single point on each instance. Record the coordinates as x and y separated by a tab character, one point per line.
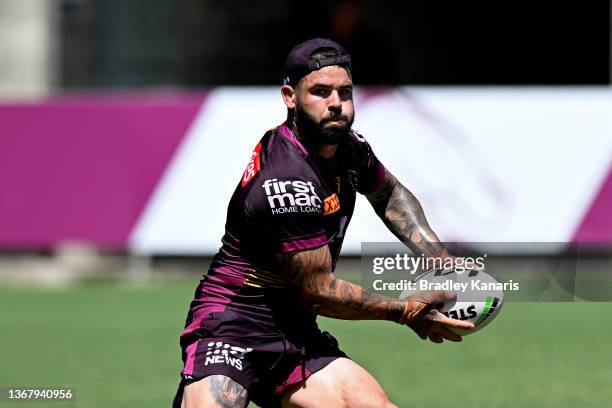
154	173
85	168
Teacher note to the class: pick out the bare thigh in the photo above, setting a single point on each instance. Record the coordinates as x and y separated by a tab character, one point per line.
342	383
215	391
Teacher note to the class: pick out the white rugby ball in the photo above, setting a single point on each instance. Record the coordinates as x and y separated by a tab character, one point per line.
479	296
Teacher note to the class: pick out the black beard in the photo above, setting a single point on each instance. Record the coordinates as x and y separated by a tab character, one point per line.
314	132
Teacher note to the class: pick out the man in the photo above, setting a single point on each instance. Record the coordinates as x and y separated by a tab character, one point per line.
251	332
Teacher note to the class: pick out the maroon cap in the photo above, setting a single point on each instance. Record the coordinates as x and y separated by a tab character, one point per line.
300	62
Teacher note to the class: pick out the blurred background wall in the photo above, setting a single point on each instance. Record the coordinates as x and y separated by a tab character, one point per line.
89	44
29	39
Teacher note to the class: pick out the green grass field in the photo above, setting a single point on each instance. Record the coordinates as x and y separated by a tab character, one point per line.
117	344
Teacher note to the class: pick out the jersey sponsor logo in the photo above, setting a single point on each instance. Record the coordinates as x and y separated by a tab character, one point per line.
253	166
224	353
291	196
331	204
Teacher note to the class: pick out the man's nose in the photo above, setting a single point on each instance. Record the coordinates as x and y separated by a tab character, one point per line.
335	103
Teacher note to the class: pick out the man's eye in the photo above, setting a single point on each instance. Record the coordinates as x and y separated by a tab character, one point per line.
321	92
346	93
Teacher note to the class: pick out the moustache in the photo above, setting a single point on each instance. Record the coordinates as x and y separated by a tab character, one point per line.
335	118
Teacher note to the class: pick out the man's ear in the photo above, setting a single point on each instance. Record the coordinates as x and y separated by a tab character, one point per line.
289	96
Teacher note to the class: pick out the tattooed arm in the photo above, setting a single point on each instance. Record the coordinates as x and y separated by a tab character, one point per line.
320	292
403	215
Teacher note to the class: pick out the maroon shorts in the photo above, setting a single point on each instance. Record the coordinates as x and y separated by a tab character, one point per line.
265	362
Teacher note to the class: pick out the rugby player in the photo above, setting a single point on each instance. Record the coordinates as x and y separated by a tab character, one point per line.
251	332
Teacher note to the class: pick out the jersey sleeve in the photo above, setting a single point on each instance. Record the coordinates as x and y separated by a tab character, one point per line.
288	212
298	234
371	172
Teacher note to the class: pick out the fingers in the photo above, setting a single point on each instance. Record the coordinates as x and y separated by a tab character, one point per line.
440	318
435	326
439	333
448	335
420	304
433	297
440	296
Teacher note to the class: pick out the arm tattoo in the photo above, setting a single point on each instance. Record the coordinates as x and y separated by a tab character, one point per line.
227	393
322	293
403	215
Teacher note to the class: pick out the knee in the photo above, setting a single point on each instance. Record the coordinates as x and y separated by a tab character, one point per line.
215	391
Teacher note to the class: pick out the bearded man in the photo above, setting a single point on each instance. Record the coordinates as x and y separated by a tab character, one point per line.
251	332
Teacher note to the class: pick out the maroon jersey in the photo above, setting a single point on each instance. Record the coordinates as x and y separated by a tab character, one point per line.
288	200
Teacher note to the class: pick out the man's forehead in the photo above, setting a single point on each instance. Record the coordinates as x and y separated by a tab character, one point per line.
333	75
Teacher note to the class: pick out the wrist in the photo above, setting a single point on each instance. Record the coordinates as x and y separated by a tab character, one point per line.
406	314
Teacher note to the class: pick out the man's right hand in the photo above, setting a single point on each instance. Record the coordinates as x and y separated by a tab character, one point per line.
422	314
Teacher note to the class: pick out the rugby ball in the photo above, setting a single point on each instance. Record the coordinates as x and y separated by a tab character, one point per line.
479	296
